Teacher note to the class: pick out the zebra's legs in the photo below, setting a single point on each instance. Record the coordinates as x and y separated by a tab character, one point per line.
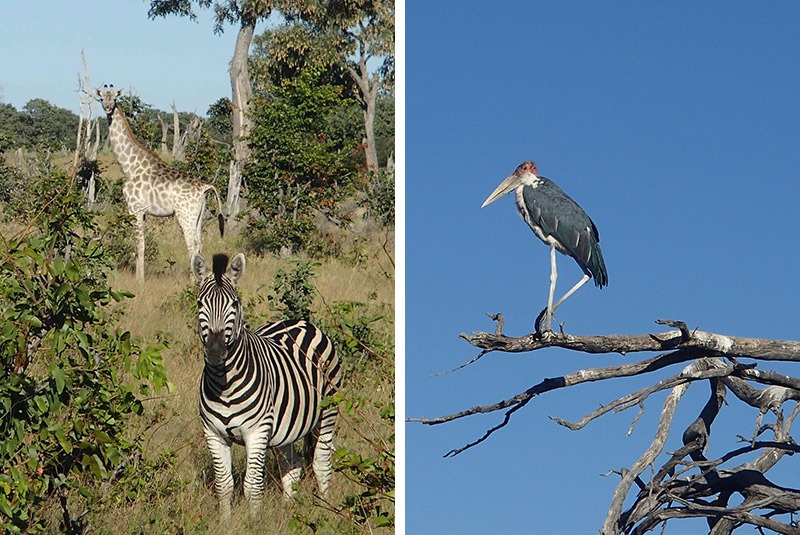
291	470
323	450
256	448
223	477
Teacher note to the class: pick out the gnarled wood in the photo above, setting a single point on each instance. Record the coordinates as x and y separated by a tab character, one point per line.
687	485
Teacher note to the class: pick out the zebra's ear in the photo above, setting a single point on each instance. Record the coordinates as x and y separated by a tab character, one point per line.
237	267
199	267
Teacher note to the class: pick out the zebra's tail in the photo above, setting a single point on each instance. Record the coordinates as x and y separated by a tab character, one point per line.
309	443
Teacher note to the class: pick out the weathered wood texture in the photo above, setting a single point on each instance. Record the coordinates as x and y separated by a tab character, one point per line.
688	484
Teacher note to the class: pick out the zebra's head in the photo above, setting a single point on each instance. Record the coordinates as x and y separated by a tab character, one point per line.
221	318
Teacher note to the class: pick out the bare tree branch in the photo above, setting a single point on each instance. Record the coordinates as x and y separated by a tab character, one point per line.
687	484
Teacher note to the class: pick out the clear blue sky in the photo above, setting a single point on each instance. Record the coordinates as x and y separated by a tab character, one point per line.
162	61
675	126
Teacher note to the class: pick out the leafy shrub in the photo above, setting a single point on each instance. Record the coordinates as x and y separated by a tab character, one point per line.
372	470
356	333
70	379
298	163
9	180
32	194
119	241
293	292
263	236
374	473
379	198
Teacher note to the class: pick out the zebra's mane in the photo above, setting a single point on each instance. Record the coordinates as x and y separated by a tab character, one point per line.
219	263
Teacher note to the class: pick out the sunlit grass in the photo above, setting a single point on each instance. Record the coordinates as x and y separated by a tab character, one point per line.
163	310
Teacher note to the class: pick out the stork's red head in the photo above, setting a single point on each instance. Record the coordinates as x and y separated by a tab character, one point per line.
525	174
527	167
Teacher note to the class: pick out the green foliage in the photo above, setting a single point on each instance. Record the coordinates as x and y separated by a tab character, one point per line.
219	121
358	333
143	119
297	164
39	125
209	162
373	472
30	195
9	179
70	379
384	126
9	127
293	291
379	198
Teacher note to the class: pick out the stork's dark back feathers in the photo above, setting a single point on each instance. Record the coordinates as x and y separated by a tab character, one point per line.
551	213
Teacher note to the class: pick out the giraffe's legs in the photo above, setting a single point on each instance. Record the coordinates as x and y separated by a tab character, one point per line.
190	224
140	247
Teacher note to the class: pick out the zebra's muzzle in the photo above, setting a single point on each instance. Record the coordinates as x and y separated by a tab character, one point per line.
215	348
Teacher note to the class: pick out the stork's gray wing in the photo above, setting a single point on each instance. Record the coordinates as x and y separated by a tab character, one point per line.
560	217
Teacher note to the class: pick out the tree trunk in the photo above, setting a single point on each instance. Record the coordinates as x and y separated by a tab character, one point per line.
164	134
85	158
371	151
178	149
368	87
241	92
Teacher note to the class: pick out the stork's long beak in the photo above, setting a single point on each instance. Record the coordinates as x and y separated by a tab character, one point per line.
507	185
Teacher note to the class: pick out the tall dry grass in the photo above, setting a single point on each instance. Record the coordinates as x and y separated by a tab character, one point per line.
181	498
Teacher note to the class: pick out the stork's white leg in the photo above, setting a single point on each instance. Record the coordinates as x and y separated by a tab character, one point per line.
572	291
553	278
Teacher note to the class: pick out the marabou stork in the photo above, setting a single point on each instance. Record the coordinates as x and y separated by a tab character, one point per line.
560	223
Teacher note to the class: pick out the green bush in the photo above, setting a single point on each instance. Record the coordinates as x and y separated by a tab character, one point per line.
358	333
293	292
298	164
70	378
379	199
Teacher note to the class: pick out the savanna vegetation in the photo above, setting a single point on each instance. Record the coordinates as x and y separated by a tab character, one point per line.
100	375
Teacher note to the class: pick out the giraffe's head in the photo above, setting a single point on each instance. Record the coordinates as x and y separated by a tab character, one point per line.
108	97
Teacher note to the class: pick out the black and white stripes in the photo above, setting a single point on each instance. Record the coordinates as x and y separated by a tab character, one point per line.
261	388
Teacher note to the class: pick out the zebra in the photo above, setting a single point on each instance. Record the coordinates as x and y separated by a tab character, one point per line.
261	388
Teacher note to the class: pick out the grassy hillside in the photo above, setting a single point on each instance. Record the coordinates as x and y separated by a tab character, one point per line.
353	302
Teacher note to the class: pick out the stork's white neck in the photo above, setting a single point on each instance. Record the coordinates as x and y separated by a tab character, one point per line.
529	179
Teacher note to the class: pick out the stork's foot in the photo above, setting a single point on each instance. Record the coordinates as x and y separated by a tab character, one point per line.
543	321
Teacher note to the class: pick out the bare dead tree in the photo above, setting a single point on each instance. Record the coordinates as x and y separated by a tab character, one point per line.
729	491
87	143
164	134
178	140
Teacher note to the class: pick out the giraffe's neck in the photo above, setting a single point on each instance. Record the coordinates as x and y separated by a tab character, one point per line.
131	155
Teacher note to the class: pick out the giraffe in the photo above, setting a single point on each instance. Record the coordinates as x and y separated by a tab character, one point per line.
153	188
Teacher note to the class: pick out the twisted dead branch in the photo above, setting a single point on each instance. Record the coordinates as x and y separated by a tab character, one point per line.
687	484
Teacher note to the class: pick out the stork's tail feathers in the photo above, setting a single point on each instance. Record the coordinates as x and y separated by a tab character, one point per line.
597	267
